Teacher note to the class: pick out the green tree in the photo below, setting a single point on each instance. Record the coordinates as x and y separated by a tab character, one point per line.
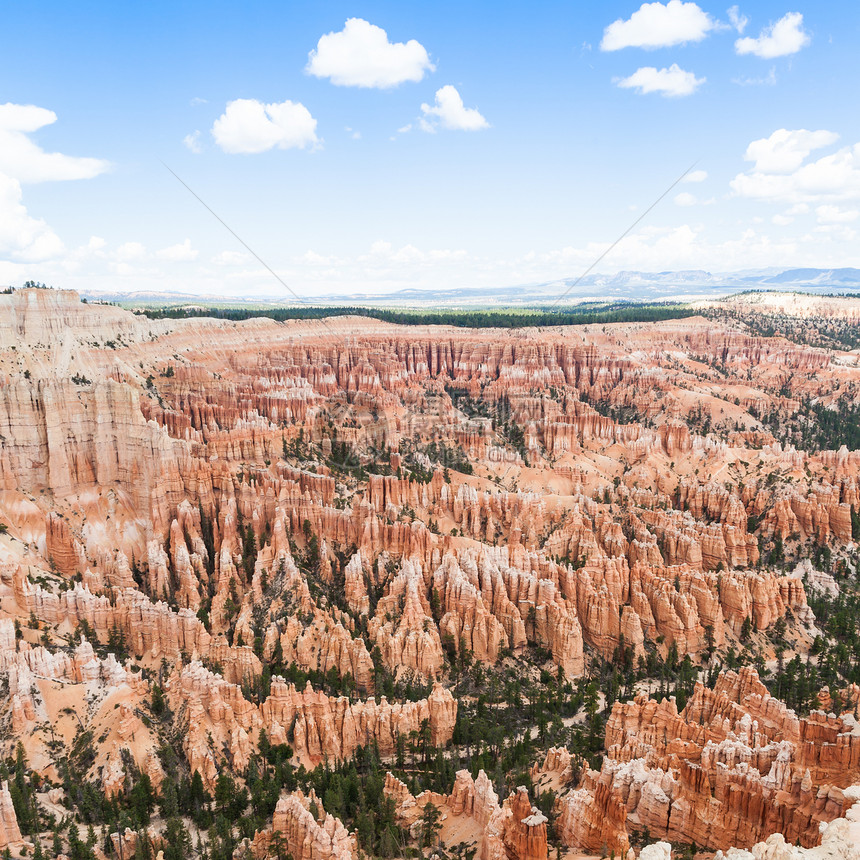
157	705
430	824
177	839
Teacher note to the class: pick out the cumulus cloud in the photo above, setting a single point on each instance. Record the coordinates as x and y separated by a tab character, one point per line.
449	112
696	176
767	80
312	258
248	126
383	253
784	151
130	251
96	245
685	246
23	237
654	25
829	214
838	231
785	37
685	199
738	21
783	172
192	142
231	258
782	220
360	55
180	253
671	82
25	161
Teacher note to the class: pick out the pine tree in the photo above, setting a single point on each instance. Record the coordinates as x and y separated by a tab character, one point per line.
430	825
177	839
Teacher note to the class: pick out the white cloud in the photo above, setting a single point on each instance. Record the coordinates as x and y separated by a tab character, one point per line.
192	142
769	80
248	126
687	199
784	151
383	253
231	258
782	220
380	248
682	247
93	250
671	82
407	254
360	55
785	37
402	264
180	253
738	21
657	26
312	258
449	112
447	255
130	251
23	160
21	236
829	214
198	101
839	231
696	176
652	247
783	174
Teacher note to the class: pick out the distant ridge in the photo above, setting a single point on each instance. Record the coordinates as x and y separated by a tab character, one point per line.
623	286
828	277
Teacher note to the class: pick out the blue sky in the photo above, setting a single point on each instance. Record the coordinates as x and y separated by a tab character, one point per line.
546	129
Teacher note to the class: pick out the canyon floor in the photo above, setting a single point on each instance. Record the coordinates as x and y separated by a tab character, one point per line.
332	589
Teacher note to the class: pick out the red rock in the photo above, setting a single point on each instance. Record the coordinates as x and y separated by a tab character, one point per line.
303	836
10	834
734	767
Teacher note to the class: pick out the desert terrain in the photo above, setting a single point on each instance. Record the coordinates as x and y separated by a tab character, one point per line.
339	588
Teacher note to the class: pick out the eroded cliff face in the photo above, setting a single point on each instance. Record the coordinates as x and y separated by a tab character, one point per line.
295	831
514	829
735	766
170	470
262	529
221	725
840	840
10	833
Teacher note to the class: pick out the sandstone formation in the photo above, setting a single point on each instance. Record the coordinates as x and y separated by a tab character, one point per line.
734	767
10	834
514	830
213	529
295	831
840	840
219	720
